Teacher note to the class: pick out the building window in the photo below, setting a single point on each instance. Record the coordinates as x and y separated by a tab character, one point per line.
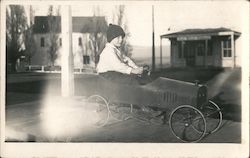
200	50
42	42
60	41
174	42
80	41
226	48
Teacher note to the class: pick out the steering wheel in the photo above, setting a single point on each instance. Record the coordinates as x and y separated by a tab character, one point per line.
146	70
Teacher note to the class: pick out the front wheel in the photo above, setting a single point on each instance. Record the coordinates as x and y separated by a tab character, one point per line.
184	121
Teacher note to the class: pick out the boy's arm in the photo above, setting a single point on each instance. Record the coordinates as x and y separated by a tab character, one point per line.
130	62
112	63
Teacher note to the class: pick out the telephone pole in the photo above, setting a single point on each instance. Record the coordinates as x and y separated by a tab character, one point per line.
67	73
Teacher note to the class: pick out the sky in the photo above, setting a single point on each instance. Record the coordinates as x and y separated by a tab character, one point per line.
169	16
176	15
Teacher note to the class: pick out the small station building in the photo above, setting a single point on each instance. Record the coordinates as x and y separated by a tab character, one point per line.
203	47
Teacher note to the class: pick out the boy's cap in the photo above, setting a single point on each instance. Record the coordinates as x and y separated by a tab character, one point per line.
114	31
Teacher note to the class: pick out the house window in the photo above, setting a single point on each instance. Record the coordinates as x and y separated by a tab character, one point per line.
42	42
86	59
226	48
80	41
60	41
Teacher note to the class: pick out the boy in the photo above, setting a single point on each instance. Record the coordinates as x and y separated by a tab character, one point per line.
114	65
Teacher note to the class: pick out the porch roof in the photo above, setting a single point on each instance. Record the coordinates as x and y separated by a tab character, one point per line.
202	32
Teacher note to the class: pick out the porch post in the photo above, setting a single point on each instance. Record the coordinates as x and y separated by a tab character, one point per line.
222	53
161	53
67	75
233	50
206	50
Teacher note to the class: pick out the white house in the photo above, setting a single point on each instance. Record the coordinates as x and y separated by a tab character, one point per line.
83	31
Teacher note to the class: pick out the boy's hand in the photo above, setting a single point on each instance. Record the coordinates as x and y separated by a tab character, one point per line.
137	71
146	68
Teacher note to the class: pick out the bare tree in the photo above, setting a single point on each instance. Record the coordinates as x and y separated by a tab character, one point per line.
16	23
54	28
29	41
97	34
119	19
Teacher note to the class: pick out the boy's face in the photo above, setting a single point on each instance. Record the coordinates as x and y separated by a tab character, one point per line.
117	41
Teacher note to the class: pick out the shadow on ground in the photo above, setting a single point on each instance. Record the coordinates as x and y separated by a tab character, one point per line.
230	111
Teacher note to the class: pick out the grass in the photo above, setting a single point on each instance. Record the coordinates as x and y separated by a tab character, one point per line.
26	87
34	82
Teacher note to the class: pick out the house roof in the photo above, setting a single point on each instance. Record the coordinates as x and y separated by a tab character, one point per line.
207	31
79	24
89	24
41	24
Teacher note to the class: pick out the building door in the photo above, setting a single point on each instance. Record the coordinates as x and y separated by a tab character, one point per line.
200	52
189	53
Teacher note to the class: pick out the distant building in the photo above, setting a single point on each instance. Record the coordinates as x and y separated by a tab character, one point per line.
83	29
203	47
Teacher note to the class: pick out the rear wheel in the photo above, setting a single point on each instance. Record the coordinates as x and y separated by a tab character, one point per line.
101	110
213	116
184	121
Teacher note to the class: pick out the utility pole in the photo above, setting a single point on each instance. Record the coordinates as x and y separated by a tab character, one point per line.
161	53
67	73
153	40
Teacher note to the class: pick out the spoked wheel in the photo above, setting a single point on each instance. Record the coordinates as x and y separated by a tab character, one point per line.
213	116
101	110
184	121
120	112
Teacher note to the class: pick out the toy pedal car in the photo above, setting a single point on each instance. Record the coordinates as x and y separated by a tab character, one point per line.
191	114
